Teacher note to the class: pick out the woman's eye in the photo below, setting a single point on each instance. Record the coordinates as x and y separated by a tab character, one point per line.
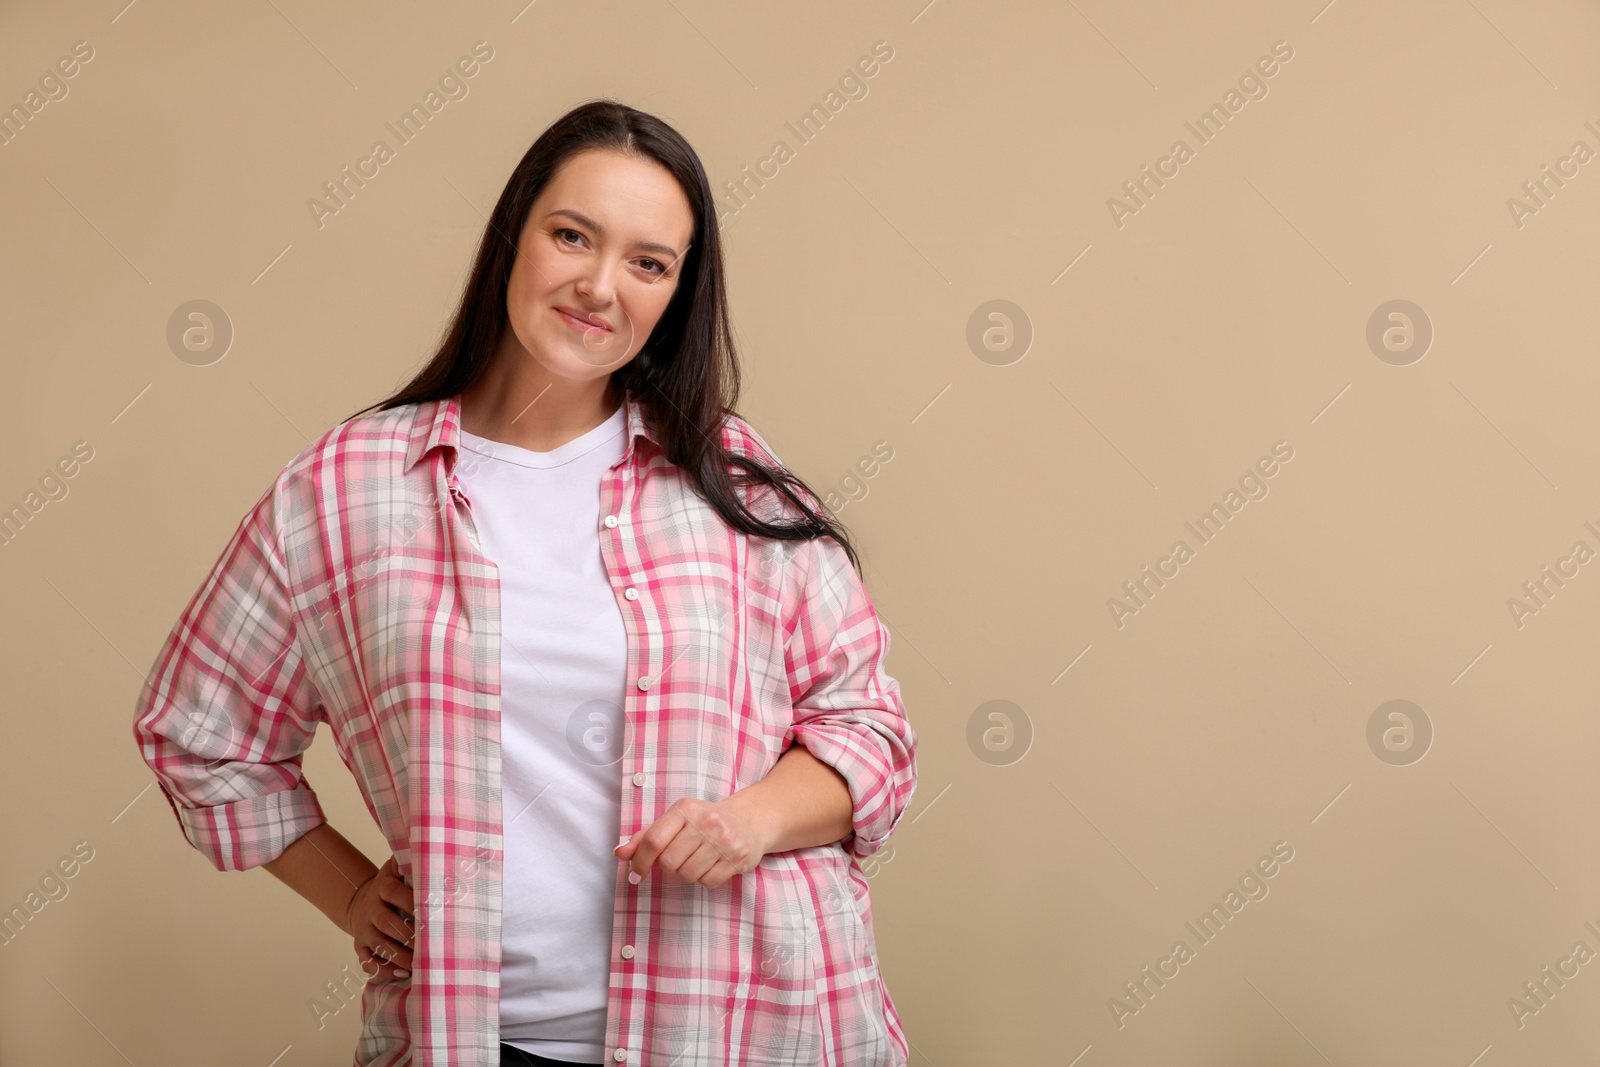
561	235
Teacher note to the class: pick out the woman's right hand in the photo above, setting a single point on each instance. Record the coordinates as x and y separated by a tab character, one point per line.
383	936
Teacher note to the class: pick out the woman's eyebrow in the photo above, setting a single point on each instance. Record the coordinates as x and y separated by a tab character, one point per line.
584	220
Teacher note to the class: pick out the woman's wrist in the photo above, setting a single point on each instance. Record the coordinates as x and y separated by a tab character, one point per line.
326	869
757	812
801	803
346	920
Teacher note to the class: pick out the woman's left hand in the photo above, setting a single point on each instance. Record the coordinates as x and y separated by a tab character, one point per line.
699	841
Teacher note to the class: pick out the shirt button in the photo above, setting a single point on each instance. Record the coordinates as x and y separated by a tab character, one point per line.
644	683
620	1055
631	593
611	522
638	778
627	952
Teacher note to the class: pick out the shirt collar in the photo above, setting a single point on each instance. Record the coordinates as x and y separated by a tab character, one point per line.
438	424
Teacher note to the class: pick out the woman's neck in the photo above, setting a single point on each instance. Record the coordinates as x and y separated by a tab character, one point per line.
533	409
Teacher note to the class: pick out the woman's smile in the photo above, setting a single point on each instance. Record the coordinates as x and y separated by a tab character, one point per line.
578	322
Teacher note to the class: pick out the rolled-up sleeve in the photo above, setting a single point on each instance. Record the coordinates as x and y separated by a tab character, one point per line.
229	707
847	709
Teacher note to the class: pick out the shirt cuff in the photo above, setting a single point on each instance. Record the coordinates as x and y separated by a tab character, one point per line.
878	795
248	833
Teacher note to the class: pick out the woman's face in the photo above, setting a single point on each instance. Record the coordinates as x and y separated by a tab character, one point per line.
598	260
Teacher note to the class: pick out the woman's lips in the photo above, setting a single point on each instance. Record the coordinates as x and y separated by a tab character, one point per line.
582	324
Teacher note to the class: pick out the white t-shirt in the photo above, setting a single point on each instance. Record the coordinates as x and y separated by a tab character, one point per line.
563	669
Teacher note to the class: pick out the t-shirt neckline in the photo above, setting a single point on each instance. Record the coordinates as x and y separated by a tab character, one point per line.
579	446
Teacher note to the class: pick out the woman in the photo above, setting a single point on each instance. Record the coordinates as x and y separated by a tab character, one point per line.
603	669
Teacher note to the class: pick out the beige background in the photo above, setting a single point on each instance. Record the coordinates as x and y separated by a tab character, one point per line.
1228	314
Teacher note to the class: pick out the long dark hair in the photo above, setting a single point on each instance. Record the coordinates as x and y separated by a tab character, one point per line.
686	376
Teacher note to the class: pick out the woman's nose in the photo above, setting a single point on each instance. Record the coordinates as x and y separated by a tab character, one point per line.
598	283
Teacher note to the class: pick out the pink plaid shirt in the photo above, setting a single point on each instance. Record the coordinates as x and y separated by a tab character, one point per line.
354	593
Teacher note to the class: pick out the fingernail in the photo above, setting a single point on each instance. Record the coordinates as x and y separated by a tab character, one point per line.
402	974
635	877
